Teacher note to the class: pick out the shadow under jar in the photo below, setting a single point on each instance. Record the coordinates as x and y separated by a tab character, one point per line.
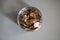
29	18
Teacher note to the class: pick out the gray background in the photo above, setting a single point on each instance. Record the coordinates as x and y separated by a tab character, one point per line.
50	30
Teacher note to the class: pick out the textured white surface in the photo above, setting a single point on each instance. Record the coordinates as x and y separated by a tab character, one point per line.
50	29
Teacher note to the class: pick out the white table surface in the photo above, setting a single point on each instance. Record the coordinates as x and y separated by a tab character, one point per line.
50	29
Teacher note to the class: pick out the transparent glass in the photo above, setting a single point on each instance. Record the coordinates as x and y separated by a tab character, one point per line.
36	23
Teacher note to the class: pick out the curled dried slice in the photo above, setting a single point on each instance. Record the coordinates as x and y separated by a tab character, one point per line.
34	20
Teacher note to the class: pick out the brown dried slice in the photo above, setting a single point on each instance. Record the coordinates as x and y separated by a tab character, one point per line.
28	22
22	14
34	15
34	20
32	10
